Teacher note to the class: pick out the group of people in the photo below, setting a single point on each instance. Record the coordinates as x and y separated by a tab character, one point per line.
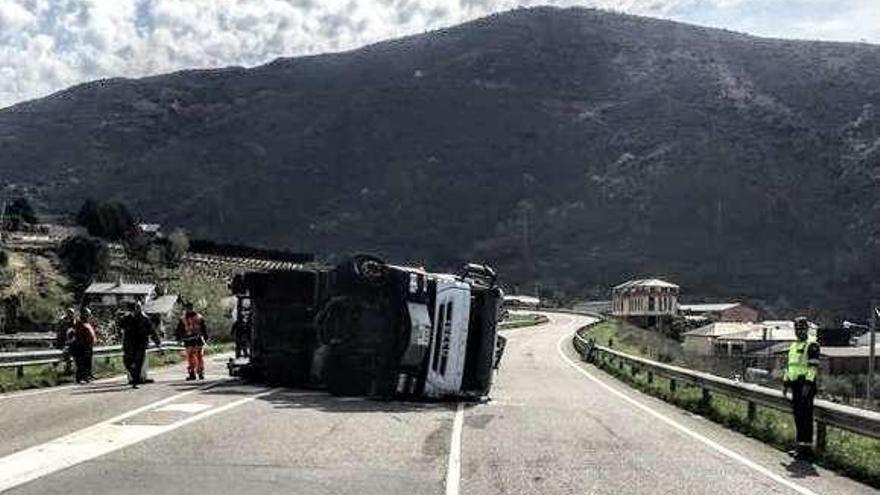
78	335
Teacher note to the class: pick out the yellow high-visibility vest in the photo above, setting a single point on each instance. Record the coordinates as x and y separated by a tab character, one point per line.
798	363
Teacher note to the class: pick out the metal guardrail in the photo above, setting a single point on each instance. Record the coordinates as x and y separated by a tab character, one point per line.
22	360
852	419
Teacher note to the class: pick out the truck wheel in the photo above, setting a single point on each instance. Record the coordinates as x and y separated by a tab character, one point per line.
369	268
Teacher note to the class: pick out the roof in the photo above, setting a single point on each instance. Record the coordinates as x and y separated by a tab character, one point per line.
772	334
121	288
646	282
847	352
161	305
708	308
775	330
720	328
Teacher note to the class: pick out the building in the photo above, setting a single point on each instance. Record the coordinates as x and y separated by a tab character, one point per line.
118	293
645	302
162	311
732	311
152	230
738	338
849	360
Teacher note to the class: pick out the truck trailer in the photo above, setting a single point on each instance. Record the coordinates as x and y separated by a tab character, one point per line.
369	328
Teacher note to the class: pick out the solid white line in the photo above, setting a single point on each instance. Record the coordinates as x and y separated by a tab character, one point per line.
97	440
453	469
682	428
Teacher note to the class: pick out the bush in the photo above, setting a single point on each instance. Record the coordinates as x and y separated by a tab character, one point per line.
18	213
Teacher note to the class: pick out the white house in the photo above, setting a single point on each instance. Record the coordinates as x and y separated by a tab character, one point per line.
118	293
644	297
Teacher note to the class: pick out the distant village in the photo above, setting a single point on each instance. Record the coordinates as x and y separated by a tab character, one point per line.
720	329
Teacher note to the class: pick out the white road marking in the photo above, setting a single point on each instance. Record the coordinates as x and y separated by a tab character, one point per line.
453	469
682	428
185	407
97	440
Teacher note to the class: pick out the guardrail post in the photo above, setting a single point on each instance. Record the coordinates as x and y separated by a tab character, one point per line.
19	371
821	437
752	412
706	400
650	378
672	385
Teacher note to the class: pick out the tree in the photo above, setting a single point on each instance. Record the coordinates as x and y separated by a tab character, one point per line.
84	258
5	271
18	213
177	246
108	220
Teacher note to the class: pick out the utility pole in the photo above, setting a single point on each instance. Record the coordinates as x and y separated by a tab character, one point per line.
2	218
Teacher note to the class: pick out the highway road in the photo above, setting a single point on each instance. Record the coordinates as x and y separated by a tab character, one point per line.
553	426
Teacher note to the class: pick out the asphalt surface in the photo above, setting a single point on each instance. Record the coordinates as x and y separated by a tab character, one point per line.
552	426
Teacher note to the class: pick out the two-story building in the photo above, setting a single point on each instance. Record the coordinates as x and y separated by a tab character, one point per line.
645	302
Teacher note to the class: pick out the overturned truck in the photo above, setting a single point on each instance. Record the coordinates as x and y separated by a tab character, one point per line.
369	328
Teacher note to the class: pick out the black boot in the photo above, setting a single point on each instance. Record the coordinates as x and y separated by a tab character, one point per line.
191	377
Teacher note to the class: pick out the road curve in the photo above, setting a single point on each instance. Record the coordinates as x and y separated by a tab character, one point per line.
553	426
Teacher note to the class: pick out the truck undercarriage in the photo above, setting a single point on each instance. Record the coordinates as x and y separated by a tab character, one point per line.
368	328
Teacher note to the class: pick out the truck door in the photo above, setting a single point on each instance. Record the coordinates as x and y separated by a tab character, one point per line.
449	338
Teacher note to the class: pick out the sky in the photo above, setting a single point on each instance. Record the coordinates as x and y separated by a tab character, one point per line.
48	45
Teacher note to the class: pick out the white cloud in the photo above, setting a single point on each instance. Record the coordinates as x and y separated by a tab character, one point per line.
46	45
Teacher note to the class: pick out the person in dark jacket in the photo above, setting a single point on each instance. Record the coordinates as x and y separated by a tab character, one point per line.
137	331
83	345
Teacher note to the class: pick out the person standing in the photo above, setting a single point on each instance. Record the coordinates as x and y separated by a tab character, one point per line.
137	331
84	342
800	376
193	332
62	328
64	337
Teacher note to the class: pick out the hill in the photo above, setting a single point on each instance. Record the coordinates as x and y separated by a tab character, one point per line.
569	147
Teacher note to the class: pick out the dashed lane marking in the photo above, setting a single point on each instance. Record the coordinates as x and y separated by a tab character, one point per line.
185	407
682	428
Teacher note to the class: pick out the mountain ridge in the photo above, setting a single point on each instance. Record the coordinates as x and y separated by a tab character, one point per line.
570	147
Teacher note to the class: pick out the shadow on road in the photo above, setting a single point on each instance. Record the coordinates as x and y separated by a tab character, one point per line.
323	401
800	469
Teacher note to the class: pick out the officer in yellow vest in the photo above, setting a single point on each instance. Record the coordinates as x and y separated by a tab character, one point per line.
800	378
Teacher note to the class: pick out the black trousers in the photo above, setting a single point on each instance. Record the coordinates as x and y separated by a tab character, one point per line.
82	359
133	359
802	394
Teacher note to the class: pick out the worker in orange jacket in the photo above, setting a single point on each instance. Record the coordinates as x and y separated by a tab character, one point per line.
193	332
